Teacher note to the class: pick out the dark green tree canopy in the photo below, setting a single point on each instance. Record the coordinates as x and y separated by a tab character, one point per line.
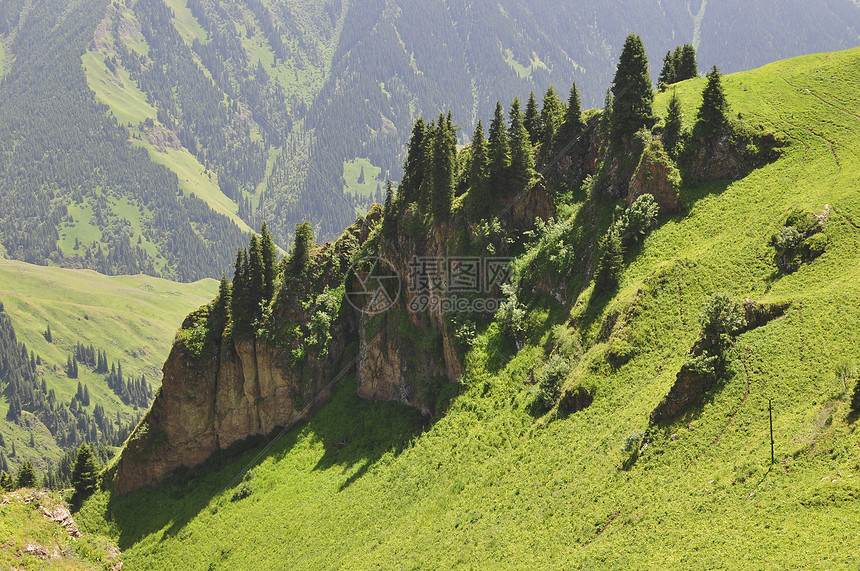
531	120
300	255
633	96
499	151
672	130
444	167
551	118
713	114
573	125
522	154
26	476
478	184
85	473
413	168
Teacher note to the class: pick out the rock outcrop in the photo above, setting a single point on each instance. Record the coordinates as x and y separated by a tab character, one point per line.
658	176
691	382
220	387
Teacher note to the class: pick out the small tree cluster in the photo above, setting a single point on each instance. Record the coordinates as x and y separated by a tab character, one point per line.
253	282
721	318
26	476
799	240
678	65
630	227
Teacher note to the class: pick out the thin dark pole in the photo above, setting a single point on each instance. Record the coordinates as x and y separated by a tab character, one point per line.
770	413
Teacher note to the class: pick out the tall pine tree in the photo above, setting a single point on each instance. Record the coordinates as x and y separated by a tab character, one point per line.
531	120
672	130
667	73
522	154
255	275
633	96
551	119
444	167
414	167
686	66
573	125
270	262
713	113
479	194
499	152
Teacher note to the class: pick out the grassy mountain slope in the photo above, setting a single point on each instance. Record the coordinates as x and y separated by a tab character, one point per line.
132	318
490	482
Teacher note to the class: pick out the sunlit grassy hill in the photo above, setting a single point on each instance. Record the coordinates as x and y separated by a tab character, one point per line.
490	483
132	318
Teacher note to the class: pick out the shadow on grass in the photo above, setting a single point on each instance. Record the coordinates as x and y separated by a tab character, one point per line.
355	434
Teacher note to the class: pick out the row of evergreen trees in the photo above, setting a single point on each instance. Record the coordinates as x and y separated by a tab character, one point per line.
493	168
678	65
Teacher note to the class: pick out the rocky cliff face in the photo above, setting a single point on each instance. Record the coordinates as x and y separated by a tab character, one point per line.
220	388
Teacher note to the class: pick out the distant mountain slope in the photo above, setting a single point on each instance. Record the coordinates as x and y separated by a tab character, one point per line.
259	109
130	319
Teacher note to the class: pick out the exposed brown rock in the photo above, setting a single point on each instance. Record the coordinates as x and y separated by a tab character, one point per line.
690	385
657	175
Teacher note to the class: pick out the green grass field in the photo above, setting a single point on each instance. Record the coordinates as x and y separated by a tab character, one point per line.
490	485
119	92
352	172
185	22
133	318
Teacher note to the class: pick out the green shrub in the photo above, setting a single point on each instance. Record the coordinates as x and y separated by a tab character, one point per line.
720	319
814	246
632	442
551	378
639	219
804	222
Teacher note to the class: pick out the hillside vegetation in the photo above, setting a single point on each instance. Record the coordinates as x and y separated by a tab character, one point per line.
550	454
131	319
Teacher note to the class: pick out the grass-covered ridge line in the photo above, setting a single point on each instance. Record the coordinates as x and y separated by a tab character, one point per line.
496	482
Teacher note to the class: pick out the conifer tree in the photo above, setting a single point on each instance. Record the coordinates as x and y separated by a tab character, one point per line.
240	290
498	152
86	399
479	194
444	167
531	120
611	261
255	275
413	168
300	255
389	220
604	126
573	125
667	74
26	476
712	115
6	482
672	131
224	304
685	64
522	154
631	89
85	474
270	262
551	119
49	337
425	190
